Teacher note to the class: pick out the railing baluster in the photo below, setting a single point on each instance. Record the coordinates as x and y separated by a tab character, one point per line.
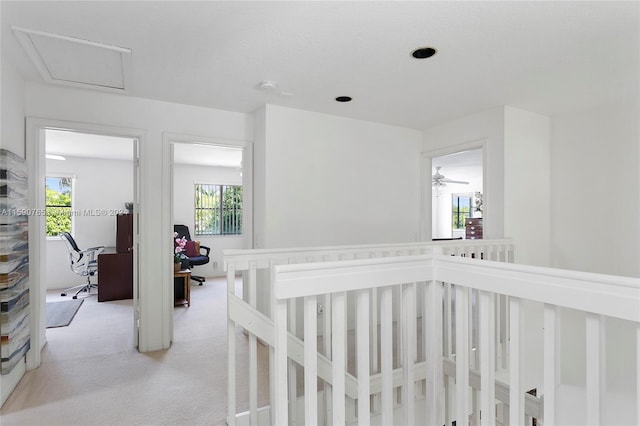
386	355
253	352
362	356
487	351
409	343
549	390
326	349
462	354
338	358
310	361
435	398
638	373
231	352
279	402
595	367
293	366
516	354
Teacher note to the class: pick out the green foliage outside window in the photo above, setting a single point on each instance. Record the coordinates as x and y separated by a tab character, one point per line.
461	209
216	217
58	205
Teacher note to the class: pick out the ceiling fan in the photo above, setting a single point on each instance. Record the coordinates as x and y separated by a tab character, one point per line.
438	179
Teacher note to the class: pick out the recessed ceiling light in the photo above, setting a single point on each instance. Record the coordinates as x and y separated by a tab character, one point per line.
423	52
343	99
55	157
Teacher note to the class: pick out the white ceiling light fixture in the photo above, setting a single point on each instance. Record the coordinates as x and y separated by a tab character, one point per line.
77	62
270	86
55	157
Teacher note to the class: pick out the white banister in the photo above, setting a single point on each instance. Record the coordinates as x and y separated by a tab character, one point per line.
550	363
487	359
280	399
516	354
462	354
386	354
231	352
433	353
338	359
310	361
362	359
409	337
253	352
595	336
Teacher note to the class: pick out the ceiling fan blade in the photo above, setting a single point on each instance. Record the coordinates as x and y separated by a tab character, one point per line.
454	181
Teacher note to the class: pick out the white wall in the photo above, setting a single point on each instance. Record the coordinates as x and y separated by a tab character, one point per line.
526	185
332	180
595	189
184	178
99	185
154	118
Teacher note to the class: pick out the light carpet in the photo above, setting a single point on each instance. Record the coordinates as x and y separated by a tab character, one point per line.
61	313
91	374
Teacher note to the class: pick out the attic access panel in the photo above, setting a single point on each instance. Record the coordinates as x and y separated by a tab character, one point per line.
72	61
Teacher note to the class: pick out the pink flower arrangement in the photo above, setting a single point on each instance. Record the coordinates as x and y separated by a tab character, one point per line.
179	244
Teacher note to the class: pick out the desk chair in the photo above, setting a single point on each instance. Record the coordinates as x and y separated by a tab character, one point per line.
195	257
82	262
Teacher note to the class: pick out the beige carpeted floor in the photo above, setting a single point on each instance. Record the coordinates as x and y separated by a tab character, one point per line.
92	375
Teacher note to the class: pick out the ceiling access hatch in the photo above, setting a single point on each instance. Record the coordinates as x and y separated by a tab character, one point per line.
77	62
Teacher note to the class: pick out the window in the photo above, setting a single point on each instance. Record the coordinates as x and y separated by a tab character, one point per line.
461	208
218	209
58	191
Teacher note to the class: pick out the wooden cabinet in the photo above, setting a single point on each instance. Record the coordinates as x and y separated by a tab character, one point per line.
115	270
473	228
124	233
115	276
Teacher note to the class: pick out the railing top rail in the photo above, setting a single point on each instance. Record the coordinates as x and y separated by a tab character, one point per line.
607	295
311	279
262	255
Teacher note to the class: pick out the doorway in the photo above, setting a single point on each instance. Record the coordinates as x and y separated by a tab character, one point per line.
98	165
453	190
211	195
457	188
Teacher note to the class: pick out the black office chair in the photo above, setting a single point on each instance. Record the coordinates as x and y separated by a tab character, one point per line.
200	259
83	262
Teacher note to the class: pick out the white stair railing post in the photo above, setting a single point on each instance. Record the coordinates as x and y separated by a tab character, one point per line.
462	354
516	355
362	356
409	337
638	373
386	355
231	352
487	351
338	358
435	391
310	361
595	336
253	352
279	401
550	360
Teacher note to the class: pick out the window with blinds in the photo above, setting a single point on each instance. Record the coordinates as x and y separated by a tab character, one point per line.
218	209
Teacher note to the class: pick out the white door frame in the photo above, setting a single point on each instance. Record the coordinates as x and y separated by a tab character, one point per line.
35	154
426	157
168	142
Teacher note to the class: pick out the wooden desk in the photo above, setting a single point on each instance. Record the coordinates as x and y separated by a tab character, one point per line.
185	274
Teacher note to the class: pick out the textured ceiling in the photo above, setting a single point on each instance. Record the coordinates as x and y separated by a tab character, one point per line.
544	56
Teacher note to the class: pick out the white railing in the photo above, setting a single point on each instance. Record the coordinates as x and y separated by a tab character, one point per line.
476	387
252	311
